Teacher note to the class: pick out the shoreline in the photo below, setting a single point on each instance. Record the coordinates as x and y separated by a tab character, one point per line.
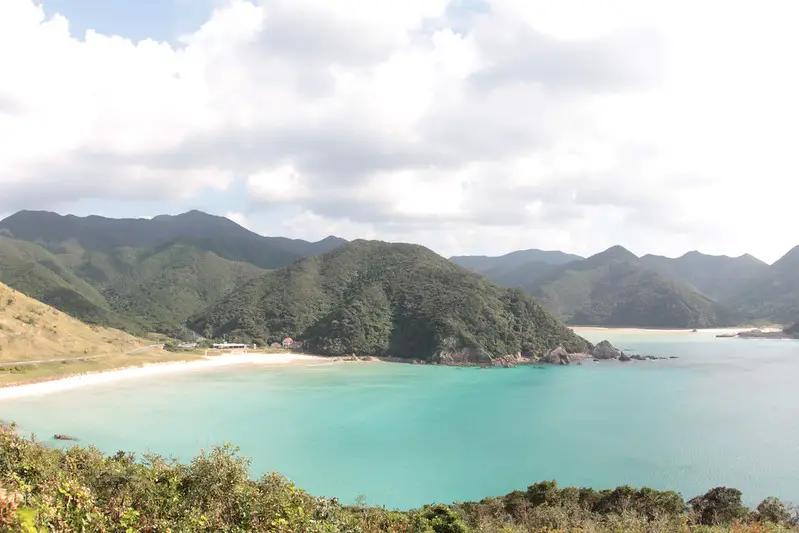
578	329
37	388
75	381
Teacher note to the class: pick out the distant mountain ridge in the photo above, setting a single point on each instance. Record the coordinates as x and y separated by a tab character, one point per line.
737	290
152	274
615	288
481	263
137	274
716	276
515	269
773	296
95	233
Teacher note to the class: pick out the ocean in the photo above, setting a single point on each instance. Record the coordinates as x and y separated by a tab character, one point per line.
723	413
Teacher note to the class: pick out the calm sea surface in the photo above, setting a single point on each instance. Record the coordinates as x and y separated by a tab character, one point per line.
725	413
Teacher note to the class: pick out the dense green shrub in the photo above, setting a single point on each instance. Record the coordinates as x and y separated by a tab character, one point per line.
721	505
82	490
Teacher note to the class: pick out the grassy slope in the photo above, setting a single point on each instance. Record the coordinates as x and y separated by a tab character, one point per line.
375	298
31	330
42	275
132	289
613	289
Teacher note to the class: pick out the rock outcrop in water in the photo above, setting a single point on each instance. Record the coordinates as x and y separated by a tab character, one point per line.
605	350
464	356
559	356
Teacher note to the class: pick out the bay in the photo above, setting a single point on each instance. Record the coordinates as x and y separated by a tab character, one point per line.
723	413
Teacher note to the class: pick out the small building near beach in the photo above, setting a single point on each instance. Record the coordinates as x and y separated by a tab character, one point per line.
287	342
228	346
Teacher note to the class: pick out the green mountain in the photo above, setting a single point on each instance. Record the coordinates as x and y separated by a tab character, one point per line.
482	264
614	288
718	277
41	275
137	274
375	298
72	234
135	289
166	284
771	297
516	269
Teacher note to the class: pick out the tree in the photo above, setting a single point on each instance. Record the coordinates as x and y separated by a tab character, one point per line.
545	492
442	519
773	510
718	506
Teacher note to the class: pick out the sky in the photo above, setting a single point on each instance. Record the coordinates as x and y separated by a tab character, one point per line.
469	126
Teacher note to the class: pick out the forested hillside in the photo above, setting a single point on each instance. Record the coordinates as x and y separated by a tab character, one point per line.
715	276
613	288
771	297
375	298
137	274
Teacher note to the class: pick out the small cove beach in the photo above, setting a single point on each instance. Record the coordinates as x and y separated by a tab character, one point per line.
157	369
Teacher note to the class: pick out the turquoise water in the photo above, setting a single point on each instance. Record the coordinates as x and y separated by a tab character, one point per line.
724	413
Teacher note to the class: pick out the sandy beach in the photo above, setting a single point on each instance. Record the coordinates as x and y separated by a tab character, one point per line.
715	331
155	369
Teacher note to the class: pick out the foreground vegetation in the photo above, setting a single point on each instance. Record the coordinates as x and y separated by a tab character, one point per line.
81	490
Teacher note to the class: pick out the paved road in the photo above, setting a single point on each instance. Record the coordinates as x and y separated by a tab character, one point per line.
20	363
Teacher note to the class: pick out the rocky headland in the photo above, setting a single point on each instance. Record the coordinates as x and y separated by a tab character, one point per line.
603	351
760	334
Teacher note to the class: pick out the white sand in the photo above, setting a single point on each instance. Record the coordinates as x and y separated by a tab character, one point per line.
155	369
717	331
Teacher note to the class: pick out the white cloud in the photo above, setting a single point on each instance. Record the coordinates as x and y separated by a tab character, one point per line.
280	185
569	124
238	218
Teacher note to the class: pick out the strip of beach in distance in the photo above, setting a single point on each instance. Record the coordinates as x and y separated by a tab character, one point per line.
646	331
70	382
155	369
